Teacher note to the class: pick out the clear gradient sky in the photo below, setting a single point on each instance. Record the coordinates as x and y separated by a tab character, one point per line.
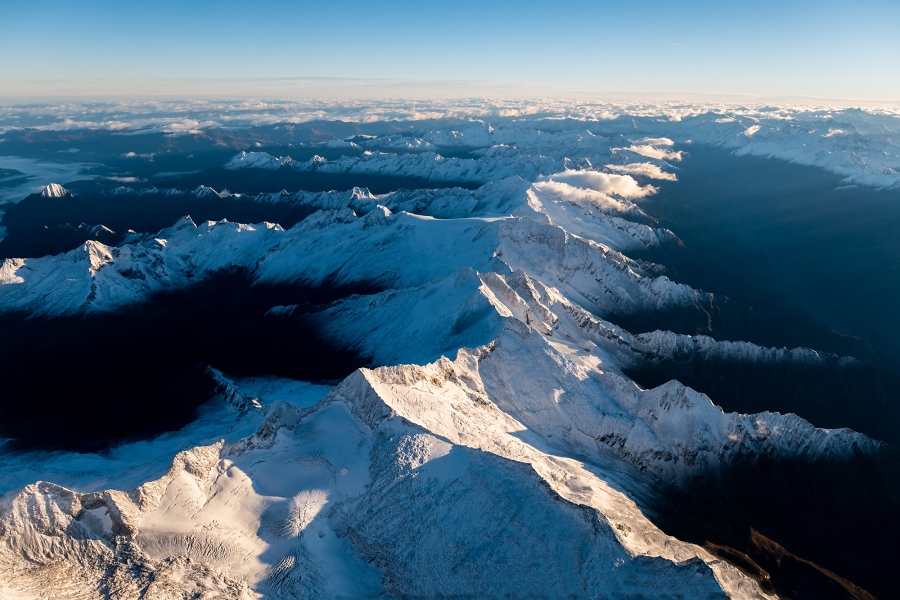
405	48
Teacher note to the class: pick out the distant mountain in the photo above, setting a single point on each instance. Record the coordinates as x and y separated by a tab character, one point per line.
54	190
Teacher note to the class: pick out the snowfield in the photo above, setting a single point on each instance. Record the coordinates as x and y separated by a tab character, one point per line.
499	451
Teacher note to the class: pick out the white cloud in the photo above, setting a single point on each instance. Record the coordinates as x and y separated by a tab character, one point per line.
570	193
643	170
605	183
660	141
38	174
751	130
188	126
653	152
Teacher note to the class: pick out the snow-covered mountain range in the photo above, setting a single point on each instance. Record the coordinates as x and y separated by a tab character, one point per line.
858	145
495	448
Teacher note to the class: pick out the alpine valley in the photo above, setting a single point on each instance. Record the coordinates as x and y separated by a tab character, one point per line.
468	350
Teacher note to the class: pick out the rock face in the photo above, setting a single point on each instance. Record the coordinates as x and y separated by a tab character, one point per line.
498	450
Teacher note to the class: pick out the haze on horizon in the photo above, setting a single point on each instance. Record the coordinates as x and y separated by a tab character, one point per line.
403	48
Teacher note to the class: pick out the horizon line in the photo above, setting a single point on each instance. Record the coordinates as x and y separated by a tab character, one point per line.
330	88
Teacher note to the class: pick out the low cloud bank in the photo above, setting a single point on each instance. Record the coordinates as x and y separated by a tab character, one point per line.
648	170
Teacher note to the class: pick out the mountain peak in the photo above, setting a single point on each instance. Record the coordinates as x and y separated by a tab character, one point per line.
54	190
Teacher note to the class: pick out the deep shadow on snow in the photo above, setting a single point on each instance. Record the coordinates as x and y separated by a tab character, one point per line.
44	226
795	259
87	381
804	529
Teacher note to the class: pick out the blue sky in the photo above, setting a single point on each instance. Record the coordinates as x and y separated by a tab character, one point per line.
403	48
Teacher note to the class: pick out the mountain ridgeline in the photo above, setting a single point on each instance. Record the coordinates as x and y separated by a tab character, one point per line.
530	350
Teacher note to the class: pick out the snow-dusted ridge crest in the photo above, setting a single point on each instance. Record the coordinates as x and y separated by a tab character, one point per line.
54	190
502	411
218	507
117	529
406	440
340	244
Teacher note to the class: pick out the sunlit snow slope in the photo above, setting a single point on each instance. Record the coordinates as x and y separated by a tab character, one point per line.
495	449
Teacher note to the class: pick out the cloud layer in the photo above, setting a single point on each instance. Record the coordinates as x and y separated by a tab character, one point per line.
648	170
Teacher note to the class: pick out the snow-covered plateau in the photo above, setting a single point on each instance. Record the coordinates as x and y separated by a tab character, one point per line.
496	448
